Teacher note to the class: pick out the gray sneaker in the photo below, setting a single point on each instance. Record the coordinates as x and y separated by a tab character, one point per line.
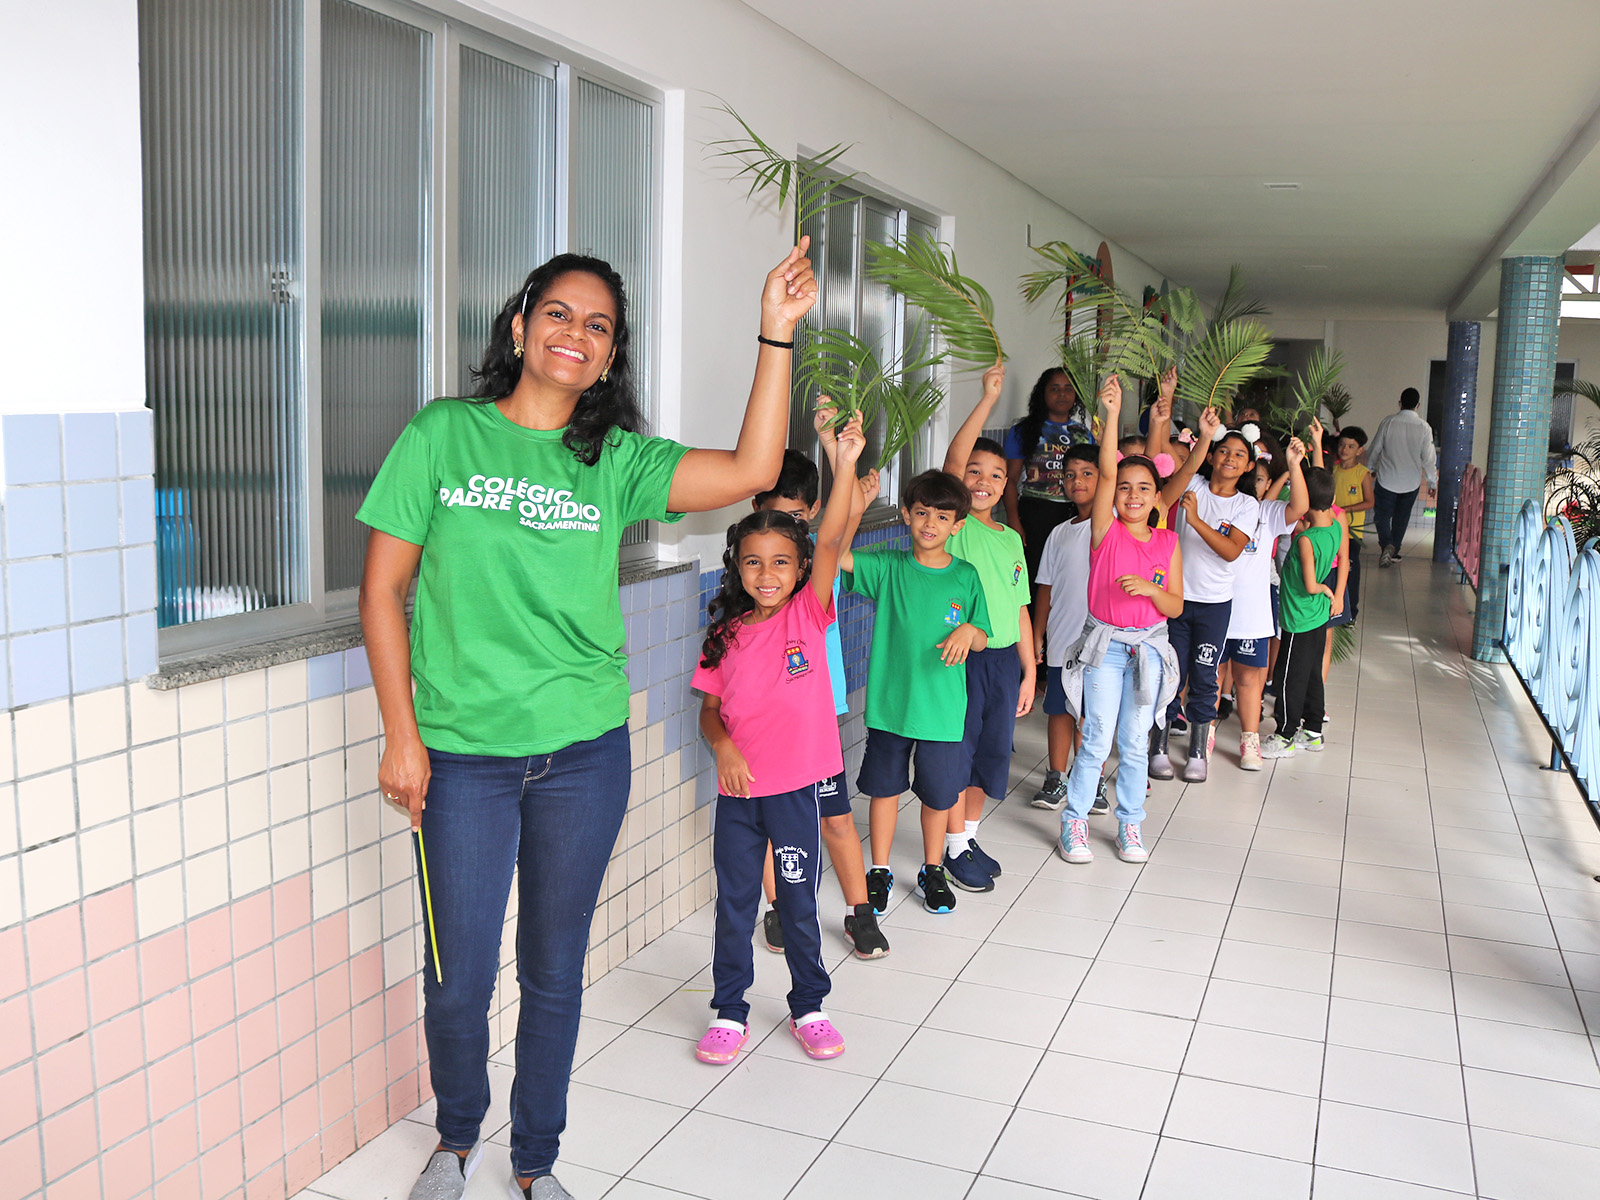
1053	794
445	1177
546	1187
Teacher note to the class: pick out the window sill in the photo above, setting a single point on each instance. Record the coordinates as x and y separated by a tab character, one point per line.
346	635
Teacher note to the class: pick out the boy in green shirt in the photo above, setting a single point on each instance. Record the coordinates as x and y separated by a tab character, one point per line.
931	614
1000	679
1305	605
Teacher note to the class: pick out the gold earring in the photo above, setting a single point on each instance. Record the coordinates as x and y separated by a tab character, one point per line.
517	350
604	373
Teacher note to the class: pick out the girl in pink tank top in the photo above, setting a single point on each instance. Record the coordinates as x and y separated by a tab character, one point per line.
1124	664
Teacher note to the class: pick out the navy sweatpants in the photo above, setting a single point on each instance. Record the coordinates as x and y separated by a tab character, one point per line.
793	824
1198	635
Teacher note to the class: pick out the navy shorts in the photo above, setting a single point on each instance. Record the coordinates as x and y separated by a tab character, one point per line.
886	769
833	796
1055	696
1247	652
994	681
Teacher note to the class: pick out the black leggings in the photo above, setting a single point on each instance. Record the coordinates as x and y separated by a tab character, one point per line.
1037	518
1299	679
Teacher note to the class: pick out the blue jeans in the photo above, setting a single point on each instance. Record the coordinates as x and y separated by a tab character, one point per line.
1392	511
555	818
1111	712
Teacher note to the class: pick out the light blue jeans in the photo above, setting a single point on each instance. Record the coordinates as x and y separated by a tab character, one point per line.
1111	712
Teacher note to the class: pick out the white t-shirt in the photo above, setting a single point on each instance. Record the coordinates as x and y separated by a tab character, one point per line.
1252	574
1207	576
1064	567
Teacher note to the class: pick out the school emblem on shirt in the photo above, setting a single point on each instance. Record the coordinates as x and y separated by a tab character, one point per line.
1159	578
1016	574
953	615
1224	528
1250	546
790	863
795	661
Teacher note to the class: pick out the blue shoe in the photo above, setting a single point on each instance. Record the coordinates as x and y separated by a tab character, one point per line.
966	873
984	859
880	882
936	894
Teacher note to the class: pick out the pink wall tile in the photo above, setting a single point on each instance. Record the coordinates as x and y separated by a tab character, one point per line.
263	1144
258	1036
252	923
298	1064
13	962
82	1184
219	1115
211	1001
118	1047
302	1120
371	1076
335	1096
171	1083
16	1034
216	1058
333	1045
372	1118
60	1009
400	1007
291	905
303	1166
19	1105
253	980
260	1090
65	1076
222	1168
292	958
210	942
20	1165
338	1141
183	1184
331	941
366	974
333	992
166	1023
55	943
163	962
108	923
124	1111
401	1051
268	1185
366	1025
403	1097
114	984
176	1144
127	1168
297	1013
69	1141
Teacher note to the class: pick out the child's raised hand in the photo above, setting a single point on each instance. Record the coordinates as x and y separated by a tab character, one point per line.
733	772
852	441
955	648
1315	428
789	293
1210	424
993	380
1167	388
1111	399
822	420
1296	451
870	486
1161	410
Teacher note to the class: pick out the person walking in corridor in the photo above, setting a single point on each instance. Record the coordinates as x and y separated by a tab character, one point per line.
1401	458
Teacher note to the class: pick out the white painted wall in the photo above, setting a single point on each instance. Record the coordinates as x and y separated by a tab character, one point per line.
71	245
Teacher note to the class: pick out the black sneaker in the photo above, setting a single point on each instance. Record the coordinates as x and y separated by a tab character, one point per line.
880	882
936	894
1224	707
861	929
965	872
1179	724
1102	802
985	860
773	929
1053	794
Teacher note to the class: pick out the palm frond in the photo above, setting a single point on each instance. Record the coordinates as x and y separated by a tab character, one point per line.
1579	387
907	409
1226	357
809	182
1313	385
1337	403
1081	361
925	272
1131	339
843	367
1344	643
1233	304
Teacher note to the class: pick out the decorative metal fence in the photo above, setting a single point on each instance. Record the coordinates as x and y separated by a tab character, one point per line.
1469	524
1552	621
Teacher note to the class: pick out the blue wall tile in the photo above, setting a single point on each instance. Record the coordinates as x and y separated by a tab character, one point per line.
33	449
94	586
37	594
324	675
357	671
139	632
137	442
92	518
138	511
34	521
39	667
5	676
139	578
90	445
97	659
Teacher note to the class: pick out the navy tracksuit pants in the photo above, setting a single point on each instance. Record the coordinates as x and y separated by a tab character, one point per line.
792	822
1198	636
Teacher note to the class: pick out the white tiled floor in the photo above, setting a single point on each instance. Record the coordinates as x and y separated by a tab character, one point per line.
1369	974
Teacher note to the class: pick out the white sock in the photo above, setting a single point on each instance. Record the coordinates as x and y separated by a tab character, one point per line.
880	866
955	844
972	830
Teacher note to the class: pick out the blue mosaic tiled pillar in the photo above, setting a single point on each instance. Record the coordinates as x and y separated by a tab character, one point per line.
1519	427
1455	451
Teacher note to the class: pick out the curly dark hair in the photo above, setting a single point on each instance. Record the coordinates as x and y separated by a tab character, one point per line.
729	606
1031	428
611	402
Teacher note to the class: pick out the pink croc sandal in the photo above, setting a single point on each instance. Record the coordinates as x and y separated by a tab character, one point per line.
722	1042
817	1036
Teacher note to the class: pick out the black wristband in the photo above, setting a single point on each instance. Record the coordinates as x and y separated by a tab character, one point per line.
766	341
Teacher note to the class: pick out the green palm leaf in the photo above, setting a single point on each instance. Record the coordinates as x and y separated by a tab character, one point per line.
808	181
1082	363
1313	385
1233	305
1133	341
1337	403
1217	365
925	272
907	410
841	366
1579	387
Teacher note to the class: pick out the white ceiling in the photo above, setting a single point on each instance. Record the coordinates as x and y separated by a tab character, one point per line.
1417	129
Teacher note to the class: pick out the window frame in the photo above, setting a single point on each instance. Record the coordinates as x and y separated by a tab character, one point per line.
452	26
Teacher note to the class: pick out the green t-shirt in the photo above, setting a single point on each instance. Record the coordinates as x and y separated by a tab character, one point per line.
1299	611
516	639
997	554
910	691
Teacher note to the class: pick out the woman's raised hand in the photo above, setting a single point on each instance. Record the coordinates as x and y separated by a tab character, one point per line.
790	291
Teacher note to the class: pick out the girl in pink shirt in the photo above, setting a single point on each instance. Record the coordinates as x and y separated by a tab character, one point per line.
1123	665
768	715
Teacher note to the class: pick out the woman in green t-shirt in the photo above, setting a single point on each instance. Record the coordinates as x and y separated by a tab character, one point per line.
509	509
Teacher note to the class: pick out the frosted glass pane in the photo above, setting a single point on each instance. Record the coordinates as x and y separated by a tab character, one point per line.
220	117
376	142
507	189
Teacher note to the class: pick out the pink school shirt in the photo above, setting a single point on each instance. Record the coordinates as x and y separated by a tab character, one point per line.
1120	553
777	698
